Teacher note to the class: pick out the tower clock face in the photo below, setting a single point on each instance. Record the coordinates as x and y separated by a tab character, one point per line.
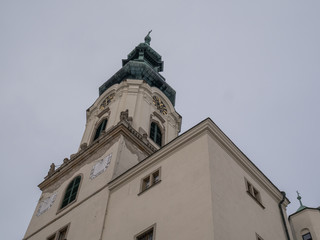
100	166
106	101
160	105
46	203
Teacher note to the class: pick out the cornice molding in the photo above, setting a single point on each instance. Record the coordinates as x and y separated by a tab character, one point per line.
122	128
244	161
140	70
304	210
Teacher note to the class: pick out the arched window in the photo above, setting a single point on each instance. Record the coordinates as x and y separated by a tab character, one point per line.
307	236
155	133
100	129
71	192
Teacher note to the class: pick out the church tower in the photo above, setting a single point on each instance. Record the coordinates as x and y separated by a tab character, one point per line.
132	118
134	178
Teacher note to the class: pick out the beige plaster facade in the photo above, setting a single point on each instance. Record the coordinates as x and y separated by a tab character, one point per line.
202	193
198	185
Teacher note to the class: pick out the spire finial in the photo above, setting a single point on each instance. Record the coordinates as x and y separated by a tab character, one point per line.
147	39
301	205
299	198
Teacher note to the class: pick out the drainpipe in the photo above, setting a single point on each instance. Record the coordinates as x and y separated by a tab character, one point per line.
282	215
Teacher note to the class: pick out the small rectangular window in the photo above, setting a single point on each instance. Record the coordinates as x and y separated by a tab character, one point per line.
146	183
52	237
60	234
256	194
249	186
253	192
150	180
148	234
155	177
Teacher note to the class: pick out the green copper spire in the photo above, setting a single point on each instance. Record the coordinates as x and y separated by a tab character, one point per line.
147	39
144	53
142	63
301	205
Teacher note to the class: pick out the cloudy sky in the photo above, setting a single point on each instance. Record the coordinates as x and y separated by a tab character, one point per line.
253	67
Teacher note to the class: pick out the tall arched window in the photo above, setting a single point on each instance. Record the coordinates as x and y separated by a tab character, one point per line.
100	129
155	133
71	192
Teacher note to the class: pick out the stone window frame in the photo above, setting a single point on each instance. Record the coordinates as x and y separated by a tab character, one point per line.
57	235
253	192
64	193
150	178
151	229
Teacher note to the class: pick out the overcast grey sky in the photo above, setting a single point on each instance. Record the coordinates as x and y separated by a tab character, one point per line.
252	66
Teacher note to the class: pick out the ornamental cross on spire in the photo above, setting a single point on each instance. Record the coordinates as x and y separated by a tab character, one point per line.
147	39
299	198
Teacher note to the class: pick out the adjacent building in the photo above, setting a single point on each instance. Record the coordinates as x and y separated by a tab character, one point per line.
305	222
